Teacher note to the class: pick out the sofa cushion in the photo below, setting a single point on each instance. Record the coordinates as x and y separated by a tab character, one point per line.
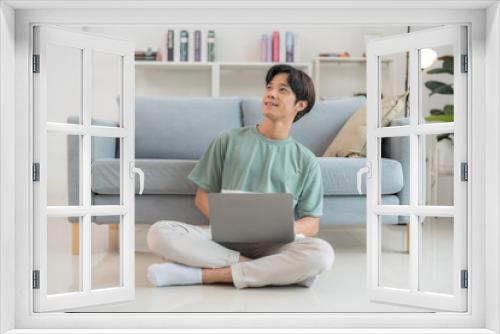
181	128
164	176
317	128
161	176
340	175
351	139
347	210
337	210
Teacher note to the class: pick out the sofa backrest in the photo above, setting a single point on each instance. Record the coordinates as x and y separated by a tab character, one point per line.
181	128
317	129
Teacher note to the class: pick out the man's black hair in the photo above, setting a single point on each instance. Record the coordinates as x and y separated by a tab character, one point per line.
300	83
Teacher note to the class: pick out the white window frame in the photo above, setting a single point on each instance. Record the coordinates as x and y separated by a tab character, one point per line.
15	230
125	130
456	37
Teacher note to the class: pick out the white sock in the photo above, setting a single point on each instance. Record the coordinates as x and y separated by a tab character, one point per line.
166	274
308	282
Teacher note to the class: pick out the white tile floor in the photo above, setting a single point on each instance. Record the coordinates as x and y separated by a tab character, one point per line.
342	289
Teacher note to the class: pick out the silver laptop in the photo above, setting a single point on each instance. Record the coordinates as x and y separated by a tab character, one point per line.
250	217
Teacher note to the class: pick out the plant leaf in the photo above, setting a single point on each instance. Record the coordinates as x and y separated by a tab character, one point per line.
444	136
448	65
448	109
446	58
445	90
439	118
438	87
433	85
440	70
437	112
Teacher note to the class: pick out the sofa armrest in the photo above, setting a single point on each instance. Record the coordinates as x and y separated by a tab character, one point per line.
101	147
73	156
398	148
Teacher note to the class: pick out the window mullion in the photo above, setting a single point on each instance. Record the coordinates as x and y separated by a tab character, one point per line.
85	229
414	161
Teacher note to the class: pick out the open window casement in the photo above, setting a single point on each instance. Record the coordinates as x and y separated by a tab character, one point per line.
83	110
429	268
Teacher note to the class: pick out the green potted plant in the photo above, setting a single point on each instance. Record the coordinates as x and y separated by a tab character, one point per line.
438	87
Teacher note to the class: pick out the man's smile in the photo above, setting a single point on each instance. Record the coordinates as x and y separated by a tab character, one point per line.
270	104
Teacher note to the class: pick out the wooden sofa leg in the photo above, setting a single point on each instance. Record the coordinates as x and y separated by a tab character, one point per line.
75	242
113	237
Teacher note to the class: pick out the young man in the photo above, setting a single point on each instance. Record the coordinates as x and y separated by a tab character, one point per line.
261	158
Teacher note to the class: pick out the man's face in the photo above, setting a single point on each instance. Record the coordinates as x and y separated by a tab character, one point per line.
278	102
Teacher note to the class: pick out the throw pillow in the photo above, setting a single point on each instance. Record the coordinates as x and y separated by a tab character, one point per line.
351	139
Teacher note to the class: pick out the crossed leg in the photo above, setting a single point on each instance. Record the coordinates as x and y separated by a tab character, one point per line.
267	264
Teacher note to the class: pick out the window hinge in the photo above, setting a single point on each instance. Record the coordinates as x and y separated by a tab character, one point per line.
36	172
36	279
464	279
36	63
465	66
464	171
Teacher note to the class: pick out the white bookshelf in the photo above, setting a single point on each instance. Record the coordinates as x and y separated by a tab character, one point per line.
197	65
157	65
318	61
213	67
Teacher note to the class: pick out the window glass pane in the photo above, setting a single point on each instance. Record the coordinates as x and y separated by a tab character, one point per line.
63	169
393	100
436	81
437	169
106	89
394	171
436	262
63	259
106	171
106	248
394	257
64	84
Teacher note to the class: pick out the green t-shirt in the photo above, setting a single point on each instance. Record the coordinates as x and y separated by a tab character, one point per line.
242	159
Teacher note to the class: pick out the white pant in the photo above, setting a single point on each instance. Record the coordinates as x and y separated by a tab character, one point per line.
272	264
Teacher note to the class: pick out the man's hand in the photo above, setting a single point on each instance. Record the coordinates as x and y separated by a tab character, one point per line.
201	201
308	226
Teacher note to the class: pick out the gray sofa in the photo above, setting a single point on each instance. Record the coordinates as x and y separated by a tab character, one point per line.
172	134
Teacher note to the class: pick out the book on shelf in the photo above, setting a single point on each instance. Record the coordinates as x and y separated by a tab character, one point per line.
270	48
276	46
184	45
197	45
263	47
211	46
186	53
170	45
289	45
